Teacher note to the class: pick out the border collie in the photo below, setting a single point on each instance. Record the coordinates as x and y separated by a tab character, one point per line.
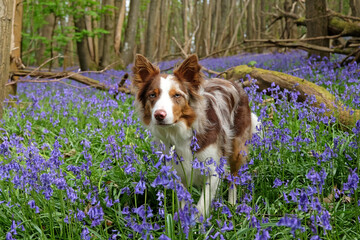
174	107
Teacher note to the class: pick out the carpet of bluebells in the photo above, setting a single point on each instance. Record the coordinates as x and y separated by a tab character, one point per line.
76	163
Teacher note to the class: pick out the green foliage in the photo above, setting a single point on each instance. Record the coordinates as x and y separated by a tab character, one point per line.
34	19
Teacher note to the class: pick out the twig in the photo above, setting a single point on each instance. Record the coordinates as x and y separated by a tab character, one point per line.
185	55
179	46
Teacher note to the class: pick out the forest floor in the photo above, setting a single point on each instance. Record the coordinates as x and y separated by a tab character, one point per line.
75	162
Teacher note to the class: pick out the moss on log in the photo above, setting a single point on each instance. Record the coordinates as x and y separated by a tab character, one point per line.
285	81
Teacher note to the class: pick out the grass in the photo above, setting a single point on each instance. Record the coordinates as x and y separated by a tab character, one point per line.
77	164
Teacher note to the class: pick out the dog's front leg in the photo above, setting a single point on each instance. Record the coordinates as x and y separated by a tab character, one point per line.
208	194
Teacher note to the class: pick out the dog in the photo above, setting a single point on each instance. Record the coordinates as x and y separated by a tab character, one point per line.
175	106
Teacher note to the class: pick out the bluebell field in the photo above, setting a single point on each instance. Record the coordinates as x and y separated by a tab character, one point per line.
76	163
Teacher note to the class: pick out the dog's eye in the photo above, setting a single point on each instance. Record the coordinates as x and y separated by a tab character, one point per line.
152	95
176	95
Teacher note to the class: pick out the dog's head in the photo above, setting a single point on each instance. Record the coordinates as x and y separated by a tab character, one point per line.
165	99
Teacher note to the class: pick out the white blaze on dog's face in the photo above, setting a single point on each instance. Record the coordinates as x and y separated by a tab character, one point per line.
164	98
171	100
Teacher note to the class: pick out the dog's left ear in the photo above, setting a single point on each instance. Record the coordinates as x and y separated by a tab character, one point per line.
143	70
189	71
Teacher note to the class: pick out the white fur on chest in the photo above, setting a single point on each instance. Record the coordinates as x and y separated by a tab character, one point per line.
180	136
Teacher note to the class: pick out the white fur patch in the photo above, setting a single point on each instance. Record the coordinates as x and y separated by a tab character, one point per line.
256	125
164	102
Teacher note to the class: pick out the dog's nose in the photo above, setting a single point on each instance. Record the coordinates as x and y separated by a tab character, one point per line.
160	115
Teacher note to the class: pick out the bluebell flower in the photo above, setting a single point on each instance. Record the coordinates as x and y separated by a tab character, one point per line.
85	234
277	183
292	222
164	237
96	214
140	186
352	183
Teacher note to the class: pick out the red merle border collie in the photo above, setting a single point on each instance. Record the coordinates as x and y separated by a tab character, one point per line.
173	107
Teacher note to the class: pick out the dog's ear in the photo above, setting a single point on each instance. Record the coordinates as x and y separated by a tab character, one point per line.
189	70
143	70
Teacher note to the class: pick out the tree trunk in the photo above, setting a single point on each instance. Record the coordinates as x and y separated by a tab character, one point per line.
46	31
150	29
109	54
119	26
15	55
355	8
164	19
6	16
185	4
69	47
82	48
204	38
127	52
317	24
250	20
266	77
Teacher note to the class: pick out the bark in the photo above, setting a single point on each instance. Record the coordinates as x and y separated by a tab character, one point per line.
250	20
204	38
46	31
164	19
82	48
15	55
119	27
262	19
90	40
6	16
355	8
127	52
150	29
109	55
69	47
185	4
317	24
216	23
266	77
95	25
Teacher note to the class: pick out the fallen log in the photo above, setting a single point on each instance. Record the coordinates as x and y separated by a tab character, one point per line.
299	44
59	76
285	81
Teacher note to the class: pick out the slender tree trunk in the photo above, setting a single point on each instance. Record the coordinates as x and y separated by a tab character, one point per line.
355	8
340	6
205	31
82	48
15	55
164	19
262	19
90	39
119	26
46	32
185	4
6	16
109	54
127	52
151	30
250	31
317	24
68	51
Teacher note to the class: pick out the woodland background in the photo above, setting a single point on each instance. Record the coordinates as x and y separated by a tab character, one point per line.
104	34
